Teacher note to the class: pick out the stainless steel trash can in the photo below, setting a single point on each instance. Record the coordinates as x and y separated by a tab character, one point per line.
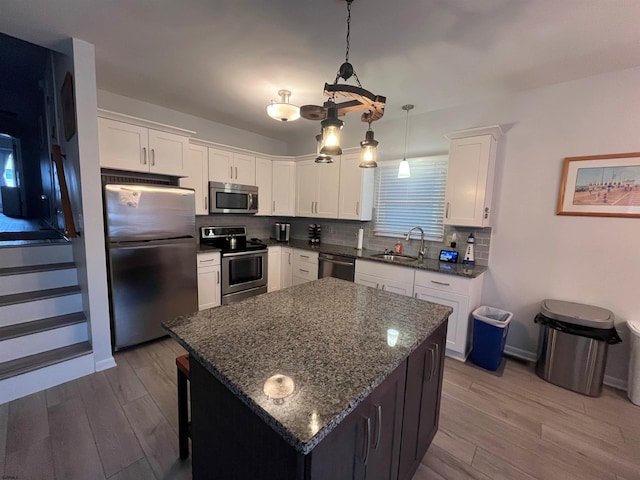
572	350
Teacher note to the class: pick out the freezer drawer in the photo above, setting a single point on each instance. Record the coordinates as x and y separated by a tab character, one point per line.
150	282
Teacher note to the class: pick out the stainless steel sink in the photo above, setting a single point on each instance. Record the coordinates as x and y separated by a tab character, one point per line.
390	257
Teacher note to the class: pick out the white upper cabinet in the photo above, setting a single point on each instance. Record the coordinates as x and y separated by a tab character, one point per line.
264	174
318	186
356	189
283	193
127	146
472	157
231	167
196	171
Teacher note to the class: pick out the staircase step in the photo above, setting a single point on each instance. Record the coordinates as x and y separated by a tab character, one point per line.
35	255
37	326
37	295
40	308
32	278
36	268
41	360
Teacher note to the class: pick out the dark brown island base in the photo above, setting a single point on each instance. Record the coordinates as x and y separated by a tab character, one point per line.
328	380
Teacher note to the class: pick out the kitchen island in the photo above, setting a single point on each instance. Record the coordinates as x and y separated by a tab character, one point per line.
325	380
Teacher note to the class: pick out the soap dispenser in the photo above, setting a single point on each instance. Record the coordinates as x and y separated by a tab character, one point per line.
469	256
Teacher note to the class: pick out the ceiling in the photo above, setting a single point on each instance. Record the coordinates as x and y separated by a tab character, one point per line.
224	60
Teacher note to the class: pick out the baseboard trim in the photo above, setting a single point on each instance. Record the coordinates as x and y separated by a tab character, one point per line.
105	364
520	353
614	382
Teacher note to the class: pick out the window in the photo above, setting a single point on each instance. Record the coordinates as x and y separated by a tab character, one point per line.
402	203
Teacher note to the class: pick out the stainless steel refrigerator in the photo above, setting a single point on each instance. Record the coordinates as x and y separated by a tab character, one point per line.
151	250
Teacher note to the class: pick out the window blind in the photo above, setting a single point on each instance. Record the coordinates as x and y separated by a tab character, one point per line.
402	203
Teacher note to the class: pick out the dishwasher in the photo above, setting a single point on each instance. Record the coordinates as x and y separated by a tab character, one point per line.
337	266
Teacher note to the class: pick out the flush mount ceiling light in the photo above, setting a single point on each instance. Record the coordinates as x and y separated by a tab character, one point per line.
403	170
357	99
283	111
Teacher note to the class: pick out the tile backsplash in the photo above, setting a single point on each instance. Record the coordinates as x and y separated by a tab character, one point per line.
345	232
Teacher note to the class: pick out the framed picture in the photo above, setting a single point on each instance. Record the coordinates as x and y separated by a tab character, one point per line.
68	107
601	186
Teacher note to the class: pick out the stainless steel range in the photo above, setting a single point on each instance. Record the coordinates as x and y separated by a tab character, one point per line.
244	263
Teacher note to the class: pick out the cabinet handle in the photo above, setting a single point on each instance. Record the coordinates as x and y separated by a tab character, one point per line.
274	207
153	157
432	361
379	426
205	202
357	208
415	295
367	444
231	173
446	214
144	155
304	256
383	286
206	261
236	173
377	285
441	283
218	275
289	258
305	271
486	212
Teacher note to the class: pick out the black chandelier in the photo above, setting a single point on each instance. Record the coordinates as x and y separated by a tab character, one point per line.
356	99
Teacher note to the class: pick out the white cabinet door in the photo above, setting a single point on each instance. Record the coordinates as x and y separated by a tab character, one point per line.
208	287
286	263
458	332
264	172
196	171
220	165
356	189
274	277
368	280
123	146
307	187
244	169
328	189
283	194
386	284
470	181
167	152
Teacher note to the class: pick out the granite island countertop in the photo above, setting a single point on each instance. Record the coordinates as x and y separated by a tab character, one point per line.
327	339
431	265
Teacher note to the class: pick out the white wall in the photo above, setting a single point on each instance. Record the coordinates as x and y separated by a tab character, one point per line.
85	190
536	254
205	129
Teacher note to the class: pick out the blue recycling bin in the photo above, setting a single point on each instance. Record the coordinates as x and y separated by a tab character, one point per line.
490	328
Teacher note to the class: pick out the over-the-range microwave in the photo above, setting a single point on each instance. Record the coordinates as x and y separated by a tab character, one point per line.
232	198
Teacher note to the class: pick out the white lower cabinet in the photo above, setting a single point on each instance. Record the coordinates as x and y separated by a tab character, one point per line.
275	268
286	267
208	280
385	277
460	293
305	266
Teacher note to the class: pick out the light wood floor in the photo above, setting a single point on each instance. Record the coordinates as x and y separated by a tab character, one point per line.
122	424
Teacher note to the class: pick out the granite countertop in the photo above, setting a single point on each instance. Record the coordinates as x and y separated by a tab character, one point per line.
328	338
364	254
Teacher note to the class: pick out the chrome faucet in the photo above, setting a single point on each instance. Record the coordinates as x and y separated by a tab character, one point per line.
421	248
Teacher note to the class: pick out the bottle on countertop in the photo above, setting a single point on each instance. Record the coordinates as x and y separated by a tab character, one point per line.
398	248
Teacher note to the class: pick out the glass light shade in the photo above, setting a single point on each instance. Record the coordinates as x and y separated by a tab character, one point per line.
321	158
368	151
331	130
283	111
403	170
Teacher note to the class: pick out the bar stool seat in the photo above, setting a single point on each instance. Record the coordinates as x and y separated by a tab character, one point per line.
182	364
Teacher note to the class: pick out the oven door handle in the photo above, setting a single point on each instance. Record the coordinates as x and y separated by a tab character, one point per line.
243	254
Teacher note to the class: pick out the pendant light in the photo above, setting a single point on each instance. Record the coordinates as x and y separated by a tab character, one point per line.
403	170
283	111
321	157
355	97
331	127
368	151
